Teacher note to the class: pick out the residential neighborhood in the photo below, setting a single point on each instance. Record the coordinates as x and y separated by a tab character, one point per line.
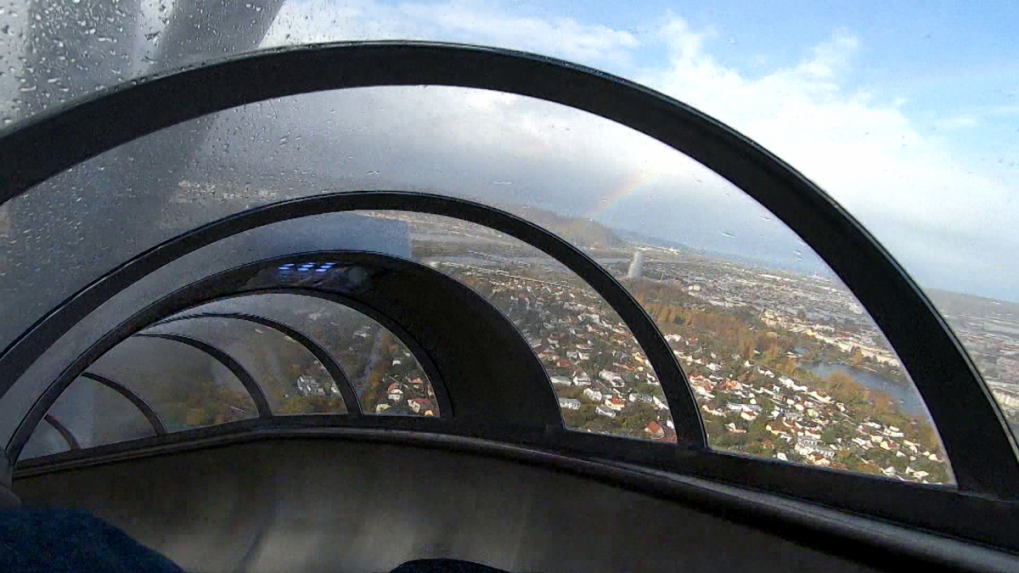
783	366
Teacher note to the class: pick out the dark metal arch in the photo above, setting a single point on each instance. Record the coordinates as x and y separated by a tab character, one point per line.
959	402
316	350
72	442
532	409
257	396
439	386
975	516
142	405
686	416
523	414
424	360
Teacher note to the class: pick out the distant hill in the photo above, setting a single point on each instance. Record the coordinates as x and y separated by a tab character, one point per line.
583	232
642	239
954	303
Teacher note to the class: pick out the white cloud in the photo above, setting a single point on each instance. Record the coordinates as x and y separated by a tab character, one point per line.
454	20
908	188
957	122
936	214
564	37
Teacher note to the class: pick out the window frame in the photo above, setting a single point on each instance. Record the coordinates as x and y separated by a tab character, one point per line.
960	404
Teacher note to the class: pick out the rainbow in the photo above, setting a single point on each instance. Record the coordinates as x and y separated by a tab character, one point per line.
630	185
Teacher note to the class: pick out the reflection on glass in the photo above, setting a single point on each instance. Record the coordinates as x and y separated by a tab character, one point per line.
787	365
45	441
292	379
784	363
386	376
717	269
186	387
97	415
600	374
989	329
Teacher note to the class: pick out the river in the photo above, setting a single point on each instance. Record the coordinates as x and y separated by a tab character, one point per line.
907	396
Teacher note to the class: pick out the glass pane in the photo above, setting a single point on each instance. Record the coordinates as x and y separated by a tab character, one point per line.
45	441
293	380
186	387
787	365
901	133
604	187
600	374
97	415
386	377
989	329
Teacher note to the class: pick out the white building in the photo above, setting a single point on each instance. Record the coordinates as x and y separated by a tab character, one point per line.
308	386
644	398
612	378
561	381
569	404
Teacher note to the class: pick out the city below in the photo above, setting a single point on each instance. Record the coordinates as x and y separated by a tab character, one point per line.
782	365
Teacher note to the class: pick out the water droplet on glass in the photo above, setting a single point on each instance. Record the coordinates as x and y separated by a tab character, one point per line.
152	36
728	234
372	173
284	140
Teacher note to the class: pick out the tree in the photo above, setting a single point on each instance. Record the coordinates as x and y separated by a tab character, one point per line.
844	388
730	440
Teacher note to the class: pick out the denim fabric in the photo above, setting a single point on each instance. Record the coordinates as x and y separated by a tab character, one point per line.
64	541
444	566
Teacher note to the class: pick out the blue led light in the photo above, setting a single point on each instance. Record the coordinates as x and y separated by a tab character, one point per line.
321	270
287	266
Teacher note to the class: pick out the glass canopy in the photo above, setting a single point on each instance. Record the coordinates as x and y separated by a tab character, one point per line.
621	299
782	359
53	53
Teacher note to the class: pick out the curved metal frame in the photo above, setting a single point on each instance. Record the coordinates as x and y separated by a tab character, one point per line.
439	386
959	402
66	434
434	378
315	349
231	364
975	516
135	399
879	545
953	390
686	415
237	283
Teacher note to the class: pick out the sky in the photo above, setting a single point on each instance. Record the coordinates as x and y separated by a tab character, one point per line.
907	113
